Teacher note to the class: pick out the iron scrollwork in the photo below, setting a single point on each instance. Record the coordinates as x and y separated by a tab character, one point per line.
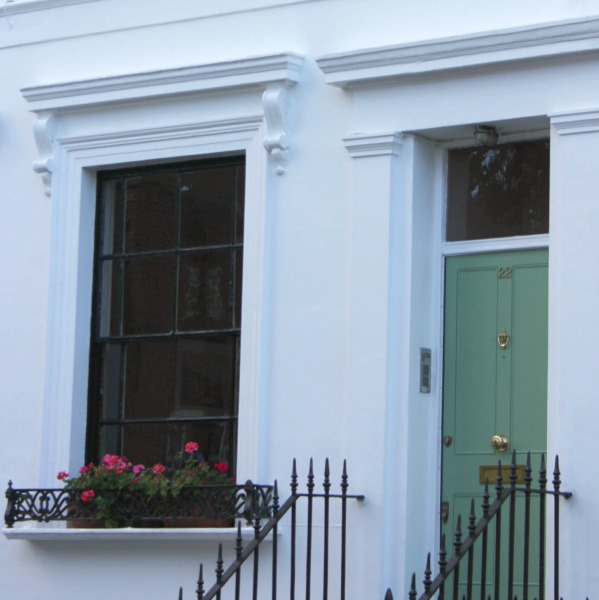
135	509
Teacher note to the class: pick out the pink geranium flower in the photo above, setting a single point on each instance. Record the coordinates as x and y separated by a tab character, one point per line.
137	469
222	467
62	476
191	447
88	495
158	468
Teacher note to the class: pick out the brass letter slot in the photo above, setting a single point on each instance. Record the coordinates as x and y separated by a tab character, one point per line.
489	472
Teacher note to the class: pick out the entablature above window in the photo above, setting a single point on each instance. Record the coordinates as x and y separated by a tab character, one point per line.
471	52
260	82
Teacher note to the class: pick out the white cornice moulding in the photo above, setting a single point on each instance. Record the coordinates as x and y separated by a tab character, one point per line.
574	122
362	145
426	58
269	75
263	72
24	6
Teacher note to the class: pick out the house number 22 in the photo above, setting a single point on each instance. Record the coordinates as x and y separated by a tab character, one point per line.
505	272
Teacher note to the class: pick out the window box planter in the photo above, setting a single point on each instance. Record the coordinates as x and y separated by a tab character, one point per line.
201	506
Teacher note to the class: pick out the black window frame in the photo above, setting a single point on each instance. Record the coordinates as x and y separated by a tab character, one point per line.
95	421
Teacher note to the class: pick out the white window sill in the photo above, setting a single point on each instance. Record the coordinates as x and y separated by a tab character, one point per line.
46	533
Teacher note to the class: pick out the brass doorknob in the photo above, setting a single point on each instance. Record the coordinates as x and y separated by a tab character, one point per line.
500	442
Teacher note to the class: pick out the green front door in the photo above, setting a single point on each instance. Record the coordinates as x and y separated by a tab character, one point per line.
490	390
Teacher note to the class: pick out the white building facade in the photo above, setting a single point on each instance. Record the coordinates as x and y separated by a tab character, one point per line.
344	112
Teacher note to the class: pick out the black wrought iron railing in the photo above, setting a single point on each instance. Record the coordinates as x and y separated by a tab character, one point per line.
503	555
300	577
133	508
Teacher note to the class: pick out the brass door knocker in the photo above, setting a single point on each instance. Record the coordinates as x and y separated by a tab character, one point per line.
503	339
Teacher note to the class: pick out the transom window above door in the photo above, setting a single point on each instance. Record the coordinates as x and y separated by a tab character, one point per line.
496	192
164	366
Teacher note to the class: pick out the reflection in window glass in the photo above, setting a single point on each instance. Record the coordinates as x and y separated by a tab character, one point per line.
502	191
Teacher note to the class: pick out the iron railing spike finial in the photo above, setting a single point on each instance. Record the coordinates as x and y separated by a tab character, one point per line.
413	593
442	555
528	471
513	470
427	574
542	473
200	588
294	477
499	480
238	542
180	593
556	474
275	498
311	477
457	536
472	519
219	564
388	594
344	478
486	497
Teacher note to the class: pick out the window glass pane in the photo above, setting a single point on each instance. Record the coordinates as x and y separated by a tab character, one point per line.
501	191
111	382
111	300
151	202
238	288
152	443
149	295
206	290
185	378
207	204
206	377
110	441
149	376
112	229
240	206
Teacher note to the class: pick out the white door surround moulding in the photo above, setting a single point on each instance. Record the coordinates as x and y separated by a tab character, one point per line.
269	75
363	145
433	58
577	121
69	312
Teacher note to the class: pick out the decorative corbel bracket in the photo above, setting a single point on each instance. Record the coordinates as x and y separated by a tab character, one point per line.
43	133
274	102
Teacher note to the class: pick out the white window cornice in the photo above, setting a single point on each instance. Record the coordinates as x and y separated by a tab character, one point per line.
270	76
23	6
575	122
203	9
282	69
481	50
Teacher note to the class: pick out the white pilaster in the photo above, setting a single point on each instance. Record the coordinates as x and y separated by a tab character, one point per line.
573	404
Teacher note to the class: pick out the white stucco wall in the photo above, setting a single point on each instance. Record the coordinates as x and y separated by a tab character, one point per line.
345	279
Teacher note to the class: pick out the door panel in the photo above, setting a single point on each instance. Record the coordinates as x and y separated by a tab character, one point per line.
488	389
